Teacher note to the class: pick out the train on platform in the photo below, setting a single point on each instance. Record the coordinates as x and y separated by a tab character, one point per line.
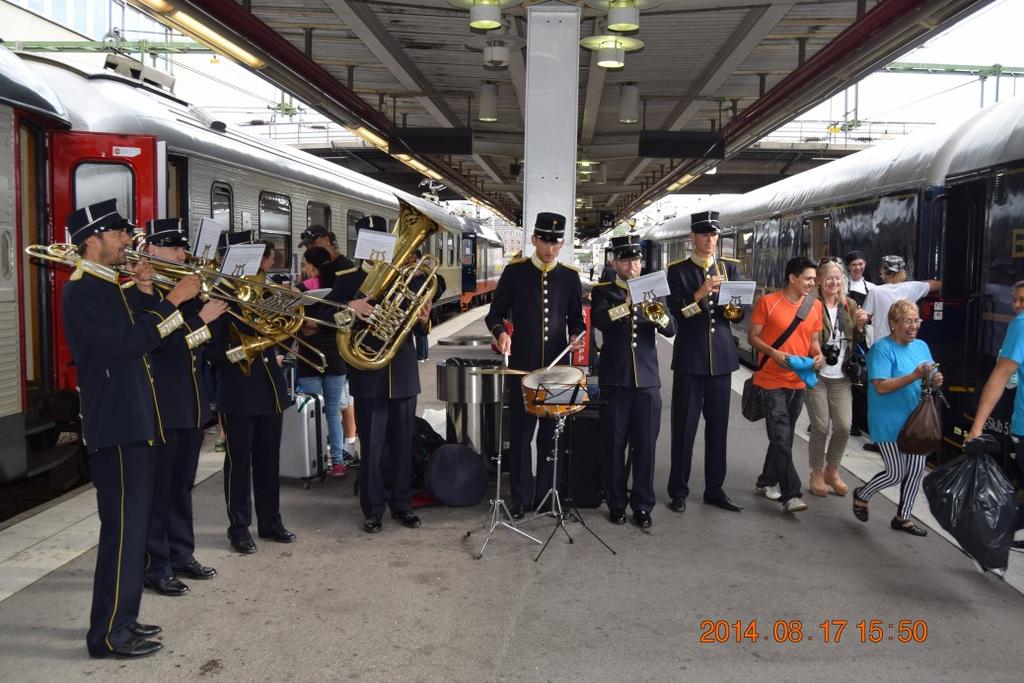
950	201
71	138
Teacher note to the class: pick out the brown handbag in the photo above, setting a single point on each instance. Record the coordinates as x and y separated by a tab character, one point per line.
922	432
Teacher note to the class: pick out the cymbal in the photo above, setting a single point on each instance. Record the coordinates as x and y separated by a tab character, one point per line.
498	371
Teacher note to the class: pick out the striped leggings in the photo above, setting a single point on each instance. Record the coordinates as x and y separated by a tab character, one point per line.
905	469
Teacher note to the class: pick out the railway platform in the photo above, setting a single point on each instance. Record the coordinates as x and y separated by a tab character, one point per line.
415	605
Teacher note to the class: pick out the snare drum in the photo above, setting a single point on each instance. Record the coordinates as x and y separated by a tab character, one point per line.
550	392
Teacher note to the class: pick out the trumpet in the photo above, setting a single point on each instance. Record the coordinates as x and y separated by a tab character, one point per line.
654	311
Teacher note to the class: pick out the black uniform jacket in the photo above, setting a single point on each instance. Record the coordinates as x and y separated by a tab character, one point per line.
629	357
401	377
542	301
263	392
109	339
175	366
704	343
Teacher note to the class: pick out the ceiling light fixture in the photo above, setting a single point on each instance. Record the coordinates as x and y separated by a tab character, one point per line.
623	15
629	103
484	15
488	111
206	35
497	47
611	49
160	6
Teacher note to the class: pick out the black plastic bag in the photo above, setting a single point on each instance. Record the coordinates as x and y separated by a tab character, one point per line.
974	501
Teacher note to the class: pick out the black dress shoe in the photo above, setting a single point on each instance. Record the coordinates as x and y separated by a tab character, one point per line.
642	519
871	446
907	527
677	505
617	516
137	647
243	544
517	512
194	570
166	586
372	524
279	535
725	502
407	518
144	630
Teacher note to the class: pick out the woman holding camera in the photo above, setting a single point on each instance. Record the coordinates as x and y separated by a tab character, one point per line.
830	401
896	366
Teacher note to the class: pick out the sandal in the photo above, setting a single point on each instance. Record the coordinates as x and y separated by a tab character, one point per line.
907	527
859	511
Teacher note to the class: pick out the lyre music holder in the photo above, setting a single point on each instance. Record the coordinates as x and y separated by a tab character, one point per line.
559	395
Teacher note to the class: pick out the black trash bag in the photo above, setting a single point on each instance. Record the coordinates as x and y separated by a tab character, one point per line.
974	501
456	476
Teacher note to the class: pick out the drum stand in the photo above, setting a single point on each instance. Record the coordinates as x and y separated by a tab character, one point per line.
498	503
560	513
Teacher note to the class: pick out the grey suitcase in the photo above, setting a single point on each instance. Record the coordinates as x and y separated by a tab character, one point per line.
304	450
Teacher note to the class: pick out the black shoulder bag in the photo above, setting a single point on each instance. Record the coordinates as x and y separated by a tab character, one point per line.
752	403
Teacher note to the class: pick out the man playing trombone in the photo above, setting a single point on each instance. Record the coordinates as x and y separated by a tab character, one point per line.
630	383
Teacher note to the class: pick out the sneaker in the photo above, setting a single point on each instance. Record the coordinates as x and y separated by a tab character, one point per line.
350	458
769	492
339	470
220	445
794	505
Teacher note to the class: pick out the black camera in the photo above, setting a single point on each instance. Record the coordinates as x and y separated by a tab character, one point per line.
831	354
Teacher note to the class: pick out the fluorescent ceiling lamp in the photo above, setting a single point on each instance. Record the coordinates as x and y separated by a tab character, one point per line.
204	34
158	5
369	136
432	174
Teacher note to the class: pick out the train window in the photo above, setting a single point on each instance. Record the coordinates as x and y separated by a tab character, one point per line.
350	229
222	205
276	226
177	188
318	214
467	251
6	255
96	182
451	250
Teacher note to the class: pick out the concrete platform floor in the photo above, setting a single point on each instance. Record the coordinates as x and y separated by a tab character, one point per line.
414	604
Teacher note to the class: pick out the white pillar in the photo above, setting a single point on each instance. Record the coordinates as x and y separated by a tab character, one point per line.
552	109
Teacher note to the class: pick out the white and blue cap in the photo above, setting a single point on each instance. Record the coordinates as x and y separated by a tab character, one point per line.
166	232
94	219
893	264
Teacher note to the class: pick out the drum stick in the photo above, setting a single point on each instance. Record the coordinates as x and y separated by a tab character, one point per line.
555	361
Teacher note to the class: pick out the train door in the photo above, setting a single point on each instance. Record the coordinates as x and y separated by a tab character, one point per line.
87	168
469	265
955	320
814	237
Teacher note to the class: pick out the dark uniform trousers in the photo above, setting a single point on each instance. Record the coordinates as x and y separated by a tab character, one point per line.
252	462
544	305
123	477
171	540
703	359
631	416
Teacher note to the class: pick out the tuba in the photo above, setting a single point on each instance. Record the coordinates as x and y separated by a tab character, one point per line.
397	294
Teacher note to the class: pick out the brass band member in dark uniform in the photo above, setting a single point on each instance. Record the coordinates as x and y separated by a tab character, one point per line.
185	409
542	298
120	418
250	410
703	360
385	409
630	384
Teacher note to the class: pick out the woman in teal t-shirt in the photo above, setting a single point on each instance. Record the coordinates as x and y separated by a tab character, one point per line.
896	366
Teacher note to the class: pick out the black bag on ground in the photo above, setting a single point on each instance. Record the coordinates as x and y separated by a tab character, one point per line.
974	501
456	476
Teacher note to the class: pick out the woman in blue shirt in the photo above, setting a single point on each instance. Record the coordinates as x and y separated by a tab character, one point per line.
896	366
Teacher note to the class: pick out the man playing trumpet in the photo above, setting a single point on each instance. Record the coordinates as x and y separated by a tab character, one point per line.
630	383
703	359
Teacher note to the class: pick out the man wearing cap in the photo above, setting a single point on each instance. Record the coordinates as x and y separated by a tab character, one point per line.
334	383
630	385
895	287
386	400
251	402
858	285
543	299
703	360
121	420
185	409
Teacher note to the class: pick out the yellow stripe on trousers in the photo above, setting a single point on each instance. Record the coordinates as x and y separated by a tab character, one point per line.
120	550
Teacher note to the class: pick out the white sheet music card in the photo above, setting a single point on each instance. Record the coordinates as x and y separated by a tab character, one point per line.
375	246
646	286
242	259
207	238
737	291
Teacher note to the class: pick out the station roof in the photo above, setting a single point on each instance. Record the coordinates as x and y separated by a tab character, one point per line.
742	67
